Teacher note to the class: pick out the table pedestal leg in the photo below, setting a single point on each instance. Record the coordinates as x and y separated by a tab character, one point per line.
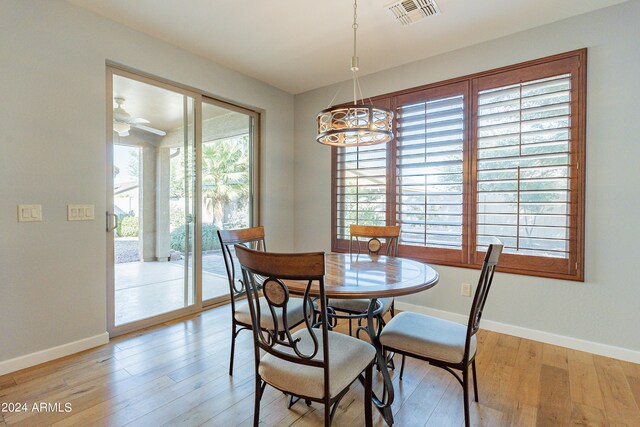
384	403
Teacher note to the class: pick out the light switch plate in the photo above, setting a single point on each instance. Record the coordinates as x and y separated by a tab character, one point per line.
29	213
80	212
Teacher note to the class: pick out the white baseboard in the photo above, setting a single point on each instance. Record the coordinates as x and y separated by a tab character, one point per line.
42	356
531	334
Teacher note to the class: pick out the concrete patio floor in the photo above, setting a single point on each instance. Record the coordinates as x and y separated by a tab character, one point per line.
145	289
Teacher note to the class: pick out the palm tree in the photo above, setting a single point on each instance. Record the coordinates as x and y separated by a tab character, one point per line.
225	177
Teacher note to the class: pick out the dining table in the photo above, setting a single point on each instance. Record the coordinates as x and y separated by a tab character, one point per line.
370	276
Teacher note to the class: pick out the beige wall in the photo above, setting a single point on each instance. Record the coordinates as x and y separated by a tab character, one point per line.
605	309
53	152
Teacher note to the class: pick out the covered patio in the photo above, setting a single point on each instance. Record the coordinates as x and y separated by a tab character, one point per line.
145	289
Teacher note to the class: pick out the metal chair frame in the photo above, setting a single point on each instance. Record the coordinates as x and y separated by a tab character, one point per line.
480	298
275	269
247	237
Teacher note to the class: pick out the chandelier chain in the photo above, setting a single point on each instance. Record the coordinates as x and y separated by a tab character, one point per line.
354	59
355	25
347	126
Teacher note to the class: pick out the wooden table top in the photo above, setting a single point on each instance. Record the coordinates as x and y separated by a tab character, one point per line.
365	276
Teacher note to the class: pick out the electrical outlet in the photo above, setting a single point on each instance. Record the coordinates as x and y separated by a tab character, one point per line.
465	290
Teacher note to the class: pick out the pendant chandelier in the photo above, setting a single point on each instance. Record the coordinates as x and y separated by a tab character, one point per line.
357	124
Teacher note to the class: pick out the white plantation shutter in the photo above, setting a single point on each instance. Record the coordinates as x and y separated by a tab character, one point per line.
429	172
523	167
361	183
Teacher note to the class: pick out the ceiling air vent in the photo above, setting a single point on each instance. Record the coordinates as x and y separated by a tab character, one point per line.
409	11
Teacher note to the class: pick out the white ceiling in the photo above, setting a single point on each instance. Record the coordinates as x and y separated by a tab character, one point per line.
299	45
163	108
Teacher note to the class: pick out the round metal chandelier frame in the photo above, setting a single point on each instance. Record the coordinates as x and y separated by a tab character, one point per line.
354	125
357	124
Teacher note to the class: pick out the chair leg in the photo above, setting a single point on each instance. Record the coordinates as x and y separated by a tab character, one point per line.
392	309
292	401
233	347
258	396
368	386
327	414
475	379
465	395
402	367
350	328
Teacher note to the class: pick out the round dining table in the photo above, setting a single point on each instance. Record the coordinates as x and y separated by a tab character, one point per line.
373	277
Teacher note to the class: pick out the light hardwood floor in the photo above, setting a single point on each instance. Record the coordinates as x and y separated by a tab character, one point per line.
176	374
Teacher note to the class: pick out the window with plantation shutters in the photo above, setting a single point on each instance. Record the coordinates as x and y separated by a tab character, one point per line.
523	178
361	196
527	150
498	154
430	140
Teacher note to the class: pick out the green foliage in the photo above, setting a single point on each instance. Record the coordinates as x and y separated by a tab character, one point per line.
128	226
209	238
225	177
225	174
177	238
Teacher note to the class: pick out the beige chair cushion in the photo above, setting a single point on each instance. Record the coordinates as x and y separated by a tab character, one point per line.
348	357
427	336
358	305
295	313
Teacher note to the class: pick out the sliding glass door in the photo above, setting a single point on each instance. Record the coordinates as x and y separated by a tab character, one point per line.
151	220
227	187
182	166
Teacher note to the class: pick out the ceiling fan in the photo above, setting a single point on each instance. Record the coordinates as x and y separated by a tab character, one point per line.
123	122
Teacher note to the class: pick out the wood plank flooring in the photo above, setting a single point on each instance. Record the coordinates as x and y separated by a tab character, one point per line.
176	374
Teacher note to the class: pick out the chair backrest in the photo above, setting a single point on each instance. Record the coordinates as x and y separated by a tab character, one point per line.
271	270
248	237
480	298
374	233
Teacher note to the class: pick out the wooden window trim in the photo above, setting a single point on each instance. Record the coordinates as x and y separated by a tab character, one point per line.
436	255
567	269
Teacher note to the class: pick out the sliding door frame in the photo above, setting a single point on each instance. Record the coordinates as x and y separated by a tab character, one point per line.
254	174
113	68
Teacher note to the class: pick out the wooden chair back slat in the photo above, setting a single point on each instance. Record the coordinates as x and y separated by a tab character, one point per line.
284	266
374	230
244	235
391	235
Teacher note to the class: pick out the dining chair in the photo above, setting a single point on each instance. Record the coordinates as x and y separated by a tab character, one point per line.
444	344
357	308
241	317
312	363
